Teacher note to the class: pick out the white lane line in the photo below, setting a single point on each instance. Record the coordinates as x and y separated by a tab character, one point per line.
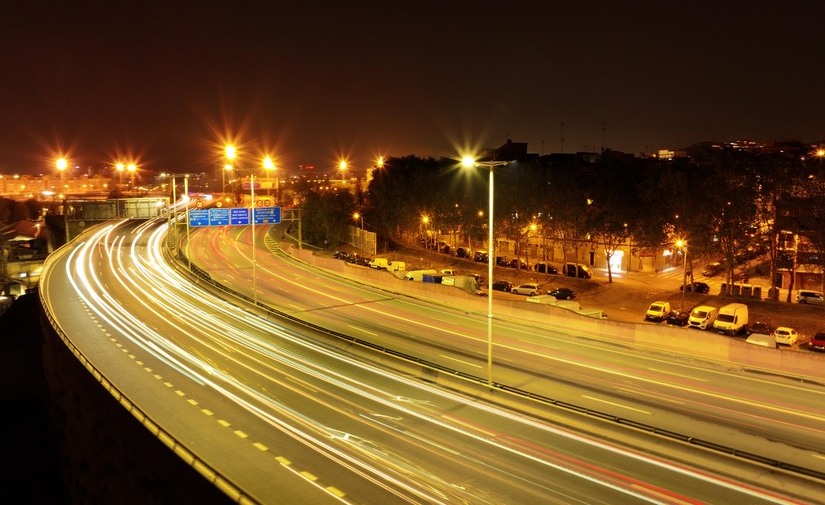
615	404
460	361
676	374
363	330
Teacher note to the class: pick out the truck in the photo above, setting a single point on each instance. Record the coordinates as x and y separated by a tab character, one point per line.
732	319
702	317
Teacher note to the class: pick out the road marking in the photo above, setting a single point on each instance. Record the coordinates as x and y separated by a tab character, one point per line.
676	374
363	330
261	447
460	361
615	404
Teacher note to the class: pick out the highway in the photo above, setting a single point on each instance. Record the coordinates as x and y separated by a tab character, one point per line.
288	417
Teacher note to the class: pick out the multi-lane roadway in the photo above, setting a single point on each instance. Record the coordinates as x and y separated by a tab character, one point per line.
273	407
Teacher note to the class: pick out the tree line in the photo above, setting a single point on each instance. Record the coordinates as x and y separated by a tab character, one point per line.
724	202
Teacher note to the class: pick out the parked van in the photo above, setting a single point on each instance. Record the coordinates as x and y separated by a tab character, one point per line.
380	263
702	317
580	271
732	319
397	266
418	275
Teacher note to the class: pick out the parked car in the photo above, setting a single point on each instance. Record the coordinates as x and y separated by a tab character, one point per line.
696	287
712	269
658	311
760	327
562	294
785	335
480	256
762	339
817	342
529	289
502	261
517	263
703	317
545	268
502	286
678	318
731	319
463	252
580	271
811	297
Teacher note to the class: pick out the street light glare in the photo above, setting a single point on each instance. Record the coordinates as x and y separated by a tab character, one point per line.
131	167
230	152
468	162
342	165
61	164
269	164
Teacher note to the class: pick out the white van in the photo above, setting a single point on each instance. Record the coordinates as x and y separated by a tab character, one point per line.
418	275
732	319
702	317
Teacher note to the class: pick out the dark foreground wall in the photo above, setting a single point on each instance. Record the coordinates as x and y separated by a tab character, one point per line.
82	447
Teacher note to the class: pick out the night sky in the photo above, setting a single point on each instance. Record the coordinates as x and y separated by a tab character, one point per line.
168	83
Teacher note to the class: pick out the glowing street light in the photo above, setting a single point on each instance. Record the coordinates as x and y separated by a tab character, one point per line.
61	165
132	168
470	162
120	167
342	166
269	167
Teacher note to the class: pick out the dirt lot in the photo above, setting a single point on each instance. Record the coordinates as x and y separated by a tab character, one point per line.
623	299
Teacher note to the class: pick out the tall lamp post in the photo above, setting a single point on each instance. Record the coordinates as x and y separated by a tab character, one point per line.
682	245
342	166
61	165
120	167
229	152
269	167
132	168
470	162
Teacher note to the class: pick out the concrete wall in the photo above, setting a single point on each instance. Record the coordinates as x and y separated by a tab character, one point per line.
704	344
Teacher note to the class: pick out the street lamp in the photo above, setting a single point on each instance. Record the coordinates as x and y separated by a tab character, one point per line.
132	168
682	246
120	167
61	165
229	153
342	166
269	167
357	216
470	162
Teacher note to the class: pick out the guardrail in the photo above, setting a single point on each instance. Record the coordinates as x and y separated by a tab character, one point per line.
482	383
223	483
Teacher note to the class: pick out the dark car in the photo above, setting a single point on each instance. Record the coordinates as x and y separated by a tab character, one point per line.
481	257
562	294
678	318
696	287
761	328
517	263
502	261
712	269
502	286
545	268
817	342
462	252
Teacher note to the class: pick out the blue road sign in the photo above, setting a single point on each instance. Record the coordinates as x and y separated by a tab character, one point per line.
198	217
239	216
218	217
267	215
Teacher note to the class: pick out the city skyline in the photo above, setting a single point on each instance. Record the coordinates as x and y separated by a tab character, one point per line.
168	85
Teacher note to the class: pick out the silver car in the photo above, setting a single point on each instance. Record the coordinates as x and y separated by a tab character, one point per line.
811	297
526	289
